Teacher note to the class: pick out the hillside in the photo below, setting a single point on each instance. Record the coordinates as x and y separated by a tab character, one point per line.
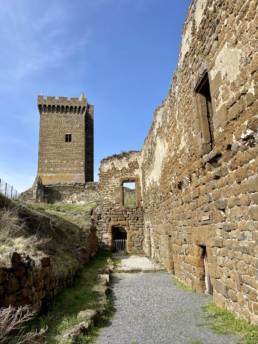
42	245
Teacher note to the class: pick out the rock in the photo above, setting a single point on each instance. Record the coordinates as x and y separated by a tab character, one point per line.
74	332
16	259
12	284
102	289
3	276
88	315
45	262
104	278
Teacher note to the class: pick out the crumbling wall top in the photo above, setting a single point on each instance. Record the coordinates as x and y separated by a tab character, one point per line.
119	161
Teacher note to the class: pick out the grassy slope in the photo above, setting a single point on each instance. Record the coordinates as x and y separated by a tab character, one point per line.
44	230
63	312
75	213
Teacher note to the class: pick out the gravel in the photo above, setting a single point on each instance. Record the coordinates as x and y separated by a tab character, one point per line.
136	263
151	309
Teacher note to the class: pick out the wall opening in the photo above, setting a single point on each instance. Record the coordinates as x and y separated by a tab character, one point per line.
129	194
68	137
207	285
119	239
205	110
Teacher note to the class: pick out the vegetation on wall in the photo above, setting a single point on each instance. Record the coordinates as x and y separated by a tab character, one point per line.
223	322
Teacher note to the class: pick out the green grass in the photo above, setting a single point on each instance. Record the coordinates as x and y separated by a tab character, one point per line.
79	214
197	342
182	286
62	313
223	322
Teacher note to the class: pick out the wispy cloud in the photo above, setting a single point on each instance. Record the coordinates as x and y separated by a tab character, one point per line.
35	36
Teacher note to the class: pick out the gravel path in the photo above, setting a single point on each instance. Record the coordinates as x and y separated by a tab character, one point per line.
136	264
150	309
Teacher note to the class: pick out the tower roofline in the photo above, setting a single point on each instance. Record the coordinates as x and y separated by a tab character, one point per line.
49	100
62	104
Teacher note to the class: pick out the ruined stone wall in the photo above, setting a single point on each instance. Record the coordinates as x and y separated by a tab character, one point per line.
66	193
202	195
62	162
75	193
26	281
111	212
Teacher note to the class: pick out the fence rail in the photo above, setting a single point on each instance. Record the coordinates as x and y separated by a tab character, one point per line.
119	245
8	190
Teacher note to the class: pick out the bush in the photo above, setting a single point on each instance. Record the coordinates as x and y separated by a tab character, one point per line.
13	326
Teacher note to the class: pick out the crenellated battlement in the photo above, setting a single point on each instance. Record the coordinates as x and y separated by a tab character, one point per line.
63	104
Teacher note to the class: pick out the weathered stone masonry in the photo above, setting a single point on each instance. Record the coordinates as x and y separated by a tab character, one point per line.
66	140
111	212
199	162
66	151
196	176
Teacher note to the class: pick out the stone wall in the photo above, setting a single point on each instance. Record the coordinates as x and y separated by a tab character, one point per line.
199	163
59	250
28	281
62	162
74	193
111	212
66	193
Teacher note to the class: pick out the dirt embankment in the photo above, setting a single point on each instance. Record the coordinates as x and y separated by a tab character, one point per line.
42	247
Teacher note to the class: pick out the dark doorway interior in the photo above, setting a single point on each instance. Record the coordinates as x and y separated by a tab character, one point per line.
119	239
207	280
206	107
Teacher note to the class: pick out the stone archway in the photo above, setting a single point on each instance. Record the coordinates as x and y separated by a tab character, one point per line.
119	239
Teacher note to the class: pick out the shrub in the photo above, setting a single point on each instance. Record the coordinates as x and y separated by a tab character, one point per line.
13	326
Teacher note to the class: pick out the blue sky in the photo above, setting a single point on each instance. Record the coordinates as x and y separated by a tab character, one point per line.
120	53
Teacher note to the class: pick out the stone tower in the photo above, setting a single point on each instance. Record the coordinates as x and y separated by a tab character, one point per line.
65	140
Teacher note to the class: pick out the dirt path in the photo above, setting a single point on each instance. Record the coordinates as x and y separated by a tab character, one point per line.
151	309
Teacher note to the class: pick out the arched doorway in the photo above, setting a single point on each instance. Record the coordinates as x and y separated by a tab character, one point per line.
119	239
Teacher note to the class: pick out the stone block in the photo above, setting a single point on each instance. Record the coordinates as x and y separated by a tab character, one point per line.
45	262
88	315
221	288
12	284
253	213
16	259
76	331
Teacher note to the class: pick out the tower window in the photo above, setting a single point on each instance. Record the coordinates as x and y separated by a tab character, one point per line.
205	113
68	137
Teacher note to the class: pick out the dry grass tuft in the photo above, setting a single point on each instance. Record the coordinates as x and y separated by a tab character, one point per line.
13	323
9	223
14	236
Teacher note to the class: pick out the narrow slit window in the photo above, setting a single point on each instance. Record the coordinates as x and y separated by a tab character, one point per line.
129	194
208	287
68	137
205	113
